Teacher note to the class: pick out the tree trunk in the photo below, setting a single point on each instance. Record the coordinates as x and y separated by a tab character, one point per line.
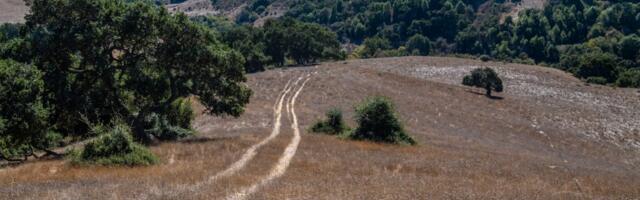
49	152
3	157
488	90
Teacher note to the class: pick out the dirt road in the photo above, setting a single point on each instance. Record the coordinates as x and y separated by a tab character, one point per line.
283	163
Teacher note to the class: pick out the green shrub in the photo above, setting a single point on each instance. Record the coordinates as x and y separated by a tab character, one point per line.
373	46
419	45
597	80
116	147
391	53
378	122
334	125
24	114
181	113
165	128
485	58
629	78
598	64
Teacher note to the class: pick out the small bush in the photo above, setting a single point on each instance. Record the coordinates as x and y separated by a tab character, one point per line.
485	58
378	122
181	113
598	64
115	148
172	124
597	80
419	45
334	125
164	129
392	53
630	78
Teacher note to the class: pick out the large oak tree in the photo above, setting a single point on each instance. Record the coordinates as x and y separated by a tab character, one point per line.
102	60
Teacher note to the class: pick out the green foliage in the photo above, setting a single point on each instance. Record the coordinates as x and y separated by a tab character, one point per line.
419	45
165	128
23	114
181	112
598	64
302	42
383	27
485	78
395	20
246	16
115	147
392	53
374	46
334	124
536	36
378	122
629	78
597	80
106	59
630	47
249	41
9	31
173	125
485	58
277	41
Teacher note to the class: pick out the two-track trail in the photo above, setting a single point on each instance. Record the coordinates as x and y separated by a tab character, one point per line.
288	97
252	151
285	159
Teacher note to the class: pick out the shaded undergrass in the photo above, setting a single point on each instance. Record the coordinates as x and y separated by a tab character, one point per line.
115	147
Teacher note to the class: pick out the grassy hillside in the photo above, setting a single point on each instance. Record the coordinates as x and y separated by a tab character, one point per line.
550	137
113	99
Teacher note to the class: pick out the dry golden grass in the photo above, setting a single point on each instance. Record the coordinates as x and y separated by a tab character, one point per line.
470	147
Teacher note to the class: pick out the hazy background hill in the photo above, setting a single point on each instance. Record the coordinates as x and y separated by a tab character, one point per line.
14	10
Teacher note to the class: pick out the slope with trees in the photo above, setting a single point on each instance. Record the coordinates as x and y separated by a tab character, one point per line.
559	35
101	61
278	41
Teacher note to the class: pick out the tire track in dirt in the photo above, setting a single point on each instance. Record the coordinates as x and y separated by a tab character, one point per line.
283	162
251	152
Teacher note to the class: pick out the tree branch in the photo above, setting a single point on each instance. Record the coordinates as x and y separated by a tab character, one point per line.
49	152
3	157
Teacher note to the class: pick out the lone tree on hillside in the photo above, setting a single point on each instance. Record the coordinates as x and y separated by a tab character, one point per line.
485	78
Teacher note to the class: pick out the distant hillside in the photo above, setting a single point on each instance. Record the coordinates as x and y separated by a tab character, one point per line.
15	10
524	5
232	8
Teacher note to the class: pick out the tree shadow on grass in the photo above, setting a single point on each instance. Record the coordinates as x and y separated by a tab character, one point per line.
493	97
302	65
198	140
